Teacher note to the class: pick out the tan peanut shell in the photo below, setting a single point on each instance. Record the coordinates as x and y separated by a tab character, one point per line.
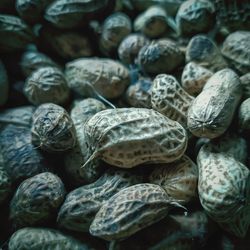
245	82
170	99
179	179
82	204
212	111
130	210
224	192
108	77
5	182
244	116
127	137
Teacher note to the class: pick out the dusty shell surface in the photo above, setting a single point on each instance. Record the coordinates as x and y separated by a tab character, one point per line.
138	95
30	238
244	115
179	179
212	111
21	158
160	56
152	23
46	84
5	182
4	84
224	190
127	137
195	16
33	60
245	82
130	47
130	210
82	204
236	48
37	199
170	99
108	77
203	51
115	27
52	128
194	77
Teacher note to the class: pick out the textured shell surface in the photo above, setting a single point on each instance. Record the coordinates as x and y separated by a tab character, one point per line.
46	84
179	179
138	95
224	192
37	199
108	77
245	82
236	48
194	77
82	204
5	182
130	47
130	210
21	158
15	33
160	56
4	84
203	51
30	238
212	111
170	99
244	115
33	60
127	137
52	128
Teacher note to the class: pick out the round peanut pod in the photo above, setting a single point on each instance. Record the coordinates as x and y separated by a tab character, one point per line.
130	210
4	85
203	51
52	128
21	159
44	238
179	179
138	95
194	77
46	84
115	27
195	16
130	47
161	56
33	60
152	23
37	200
212	111
223	187
170	99
244	116
245	82
108	77
127	137
82	204
236	48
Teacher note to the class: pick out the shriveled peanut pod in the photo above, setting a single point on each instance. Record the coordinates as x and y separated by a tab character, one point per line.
37	200
52	128
130	47
161	56
194	77
82	204
170	99
152	23
30	238
179	179
47	84
224	192
203	51
138	95
108	77
245	82
244	116
127	137
212	111
236	48
131	210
